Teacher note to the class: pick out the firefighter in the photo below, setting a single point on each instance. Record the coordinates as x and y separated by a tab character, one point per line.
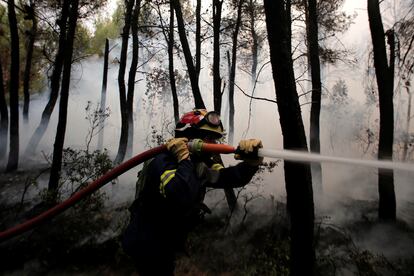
170	203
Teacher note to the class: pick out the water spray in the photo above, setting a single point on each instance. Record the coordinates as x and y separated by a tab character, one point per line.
299	156
290	155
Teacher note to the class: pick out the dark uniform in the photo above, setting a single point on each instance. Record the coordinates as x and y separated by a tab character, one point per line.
171	204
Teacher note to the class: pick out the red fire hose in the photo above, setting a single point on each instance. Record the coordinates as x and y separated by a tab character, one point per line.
98	183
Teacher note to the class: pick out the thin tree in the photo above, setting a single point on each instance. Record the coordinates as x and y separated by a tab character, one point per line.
103	91
254	11
313	56
123	141
384	71
404	31
64	96
233	71
30	14
131	76
297	176
169	38
171	64
217	7
14	89
4	117
198	39
198	100
407	123
54	82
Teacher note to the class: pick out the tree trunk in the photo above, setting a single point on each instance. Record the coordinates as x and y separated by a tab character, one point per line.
4	117
198	39
385	79
14	89
407	124
255	42
123	141
170	42
29	57
54	84
198	100
313	56
63	105
217	7
297	175
103	92
131	77
233	72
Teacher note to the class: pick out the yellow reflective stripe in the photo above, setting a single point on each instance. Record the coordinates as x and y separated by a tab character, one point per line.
165	178
217	167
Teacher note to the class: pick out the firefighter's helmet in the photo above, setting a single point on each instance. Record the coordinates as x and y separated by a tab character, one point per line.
200	123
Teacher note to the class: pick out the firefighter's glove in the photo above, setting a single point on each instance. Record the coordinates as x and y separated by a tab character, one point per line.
248	152
178	147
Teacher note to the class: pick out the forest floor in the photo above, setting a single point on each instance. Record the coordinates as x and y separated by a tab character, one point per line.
256	244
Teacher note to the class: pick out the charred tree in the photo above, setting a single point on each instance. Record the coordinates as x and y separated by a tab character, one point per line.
131	76
232	77
297	176
313	56
251	10
31	37
385	82
14	89
217	7
170	41
198	100
407	123
4	117
103	91
198	39
123	141
54	82
63	105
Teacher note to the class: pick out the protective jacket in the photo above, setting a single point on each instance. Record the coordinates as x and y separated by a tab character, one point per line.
171	204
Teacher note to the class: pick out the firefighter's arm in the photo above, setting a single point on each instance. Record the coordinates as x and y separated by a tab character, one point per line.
242	173
178	182
231	177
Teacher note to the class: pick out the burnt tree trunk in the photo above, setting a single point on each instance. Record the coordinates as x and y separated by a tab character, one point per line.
297	175
4	117
313	56
217	7
385	83
63	105
407	124
54	83
131	77
255	41
169	38
103	92
170	41
14	89
198	100
198	39
233	72
29	56
123	140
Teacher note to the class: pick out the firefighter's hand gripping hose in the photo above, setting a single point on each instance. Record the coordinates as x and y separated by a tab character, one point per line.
98	183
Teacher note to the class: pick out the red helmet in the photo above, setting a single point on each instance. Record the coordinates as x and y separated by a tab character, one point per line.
199	123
